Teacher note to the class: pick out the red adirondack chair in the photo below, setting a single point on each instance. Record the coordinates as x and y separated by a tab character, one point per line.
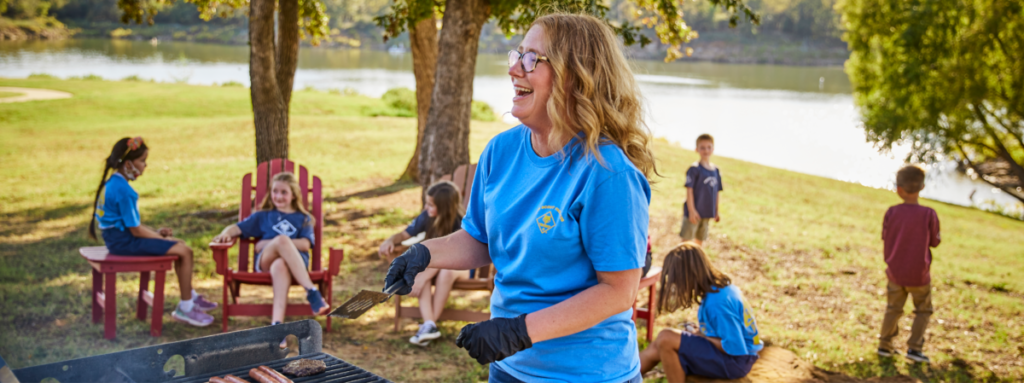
245	274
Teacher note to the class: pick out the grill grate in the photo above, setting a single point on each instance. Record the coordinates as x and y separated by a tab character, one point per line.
337	371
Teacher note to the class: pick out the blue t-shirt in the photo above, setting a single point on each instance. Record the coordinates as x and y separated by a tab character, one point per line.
706	184
119	206
723	314
422	223
267	224
550	225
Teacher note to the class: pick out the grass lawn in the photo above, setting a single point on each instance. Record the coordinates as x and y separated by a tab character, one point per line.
9	94
805	249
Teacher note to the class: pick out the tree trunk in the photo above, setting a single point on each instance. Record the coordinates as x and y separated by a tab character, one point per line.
423	38
271	73
445	143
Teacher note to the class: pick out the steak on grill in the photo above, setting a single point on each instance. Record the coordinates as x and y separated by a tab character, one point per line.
305	367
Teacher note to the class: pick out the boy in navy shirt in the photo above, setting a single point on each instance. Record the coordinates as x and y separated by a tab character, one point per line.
703	182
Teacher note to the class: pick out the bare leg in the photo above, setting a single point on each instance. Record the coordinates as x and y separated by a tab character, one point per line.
421	289
650	357
443	288
183	268
282	247
282	279
667	344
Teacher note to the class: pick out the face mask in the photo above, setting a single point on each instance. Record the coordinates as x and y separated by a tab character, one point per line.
130	171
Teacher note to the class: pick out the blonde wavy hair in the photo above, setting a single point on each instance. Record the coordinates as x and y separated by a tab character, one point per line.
593	90
293	184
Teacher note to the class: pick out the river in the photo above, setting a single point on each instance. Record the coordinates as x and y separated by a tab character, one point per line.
797	118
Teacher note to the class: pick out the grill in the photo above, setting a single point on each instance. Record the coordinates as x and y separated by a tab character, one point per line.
198	360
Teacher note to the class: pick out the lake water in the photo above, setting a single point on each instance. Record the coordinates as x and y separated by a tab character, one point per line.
796	118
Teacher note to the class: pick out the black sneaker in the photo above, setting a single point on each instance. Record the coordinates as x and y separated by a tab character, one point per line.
917	356
887	353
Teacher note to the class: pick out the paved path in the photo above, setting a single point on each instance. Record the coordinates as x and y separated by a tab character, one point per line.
32	94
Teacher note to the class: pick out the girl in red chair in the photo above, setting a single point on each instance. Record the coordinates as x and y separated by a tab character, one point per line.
285	229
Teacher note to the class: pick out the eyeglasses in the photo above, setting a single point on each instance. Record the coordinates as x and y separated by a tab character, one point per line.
529	60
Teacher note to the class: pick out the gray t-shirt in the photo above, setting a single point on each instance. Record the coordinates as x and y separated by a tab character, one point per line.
706	184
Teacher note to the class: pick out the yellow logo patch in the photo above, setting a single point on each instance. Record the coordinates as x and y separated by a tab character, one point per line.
548	217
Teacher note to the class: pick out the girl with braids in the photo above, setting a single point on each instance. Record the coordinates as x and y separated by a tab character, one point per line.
441	216
285	230
725	343
116	213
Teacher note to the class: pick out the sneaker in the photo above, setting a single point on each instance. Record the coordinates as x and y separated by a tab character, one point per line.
202	304
917	356
425	334
887	353
195	317
316	302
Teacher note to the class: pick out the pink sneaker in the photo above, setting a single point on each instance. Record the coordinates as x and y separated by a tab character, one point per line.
195	317
202	304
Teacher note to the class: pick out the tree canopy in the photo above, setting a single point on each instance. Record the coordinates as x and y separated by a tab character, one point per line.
514	17
946	77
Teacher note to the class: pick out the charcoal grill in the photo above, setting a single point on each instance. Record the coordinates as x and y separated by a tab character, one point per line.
198	360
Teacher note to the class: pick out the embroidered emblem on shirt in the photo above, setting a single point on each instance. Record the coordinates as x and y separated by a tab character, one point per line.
549	217
284	227
711	182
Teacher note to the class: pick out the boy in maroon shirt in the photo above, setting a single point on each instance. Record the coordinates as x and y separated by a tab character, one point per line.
909	231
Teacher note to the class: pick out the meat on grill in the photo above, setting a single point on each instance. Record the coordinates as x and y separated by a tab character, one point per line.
305	367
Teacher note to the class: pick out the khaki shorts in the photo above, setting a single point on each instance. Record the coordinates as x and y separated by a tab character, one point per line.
697	231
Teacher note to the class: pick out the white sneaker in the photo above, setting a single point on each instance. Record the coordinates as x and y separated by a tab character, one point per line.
425	334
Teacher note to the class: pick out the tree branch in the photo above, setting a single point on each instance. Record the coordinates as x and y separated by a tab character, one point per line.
1017	169
1008	190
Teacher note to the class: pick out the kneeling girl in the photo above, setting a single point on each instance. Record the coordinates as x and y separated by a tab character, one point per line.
726	342
285	230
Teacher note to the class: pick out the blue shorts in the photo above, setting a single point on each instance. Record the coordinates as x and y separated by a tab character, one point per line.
124	243
497	375
700	357
303	254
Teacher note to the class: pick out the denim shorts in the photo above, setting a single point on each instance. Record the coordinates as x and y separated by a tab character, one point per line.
256	266
123	243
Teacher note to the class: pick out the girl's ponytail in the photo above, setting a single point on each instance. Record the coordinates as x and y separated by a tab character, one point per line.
121	152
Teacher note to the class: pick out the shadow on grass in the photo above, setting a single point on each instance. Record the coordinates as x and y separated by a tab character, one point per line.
395	187
957	370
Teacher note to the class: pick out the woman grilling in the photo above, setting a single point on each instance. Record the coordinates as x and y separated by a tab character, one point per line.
560	205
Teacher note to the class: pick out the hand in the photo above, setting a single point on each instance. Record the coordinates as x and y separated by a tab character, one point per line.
222	238
404	268
386	248
165	232
694	217
691	328
718	218
495	339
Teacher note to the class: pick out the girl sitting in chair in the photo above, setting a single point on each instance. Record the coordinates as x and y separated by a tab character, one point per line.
442	216
124	234
285	230
725	344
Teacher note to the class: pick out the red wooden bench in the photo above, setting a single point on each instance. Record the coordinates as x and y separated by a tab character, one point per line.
104	286
246	274
650	314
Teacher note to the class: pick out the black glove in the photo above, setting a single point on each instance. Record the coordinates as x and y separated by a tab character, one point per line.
406	266
495	339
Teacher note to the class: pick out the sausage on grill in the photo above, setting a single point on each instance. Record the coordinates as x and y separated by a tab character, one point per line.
234	379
